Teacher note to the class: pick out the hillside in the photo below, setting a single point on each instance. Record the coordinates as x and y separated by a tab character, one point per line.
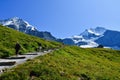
9	37
70	63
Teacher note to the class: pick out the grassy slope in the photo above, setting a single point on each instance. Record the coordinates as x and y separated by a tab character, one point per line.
9	37
70	63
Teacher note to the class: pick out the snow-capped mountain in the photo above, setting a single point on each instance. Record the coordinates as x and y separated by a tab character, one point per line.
23	26
92	37
95	36
93	33
87	38
18	24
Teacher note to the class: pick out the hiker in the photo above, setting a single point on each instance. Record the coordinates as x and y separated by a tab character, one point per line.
17	48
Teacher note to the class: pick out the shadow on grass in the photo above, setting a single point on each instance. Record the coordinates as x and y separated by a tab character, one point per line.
7	63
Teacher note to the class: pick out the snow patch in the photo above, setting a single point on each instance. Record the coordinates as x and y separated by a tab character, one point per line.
91	44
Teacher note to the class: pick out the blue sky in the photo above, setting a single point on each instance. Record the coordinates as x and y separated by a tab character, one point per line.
64	18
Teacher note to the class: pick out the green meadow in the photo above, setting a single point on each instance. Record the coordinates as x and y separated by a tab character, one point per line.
9	37
69	63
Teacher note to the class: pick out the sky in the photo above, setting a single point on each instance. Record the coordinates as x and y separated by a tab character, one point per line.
64	18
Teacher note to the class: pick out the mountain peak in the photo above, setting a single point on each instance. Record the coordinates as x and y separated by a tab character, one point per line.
15	18
98	27
18	24
100	30
94	31
23	26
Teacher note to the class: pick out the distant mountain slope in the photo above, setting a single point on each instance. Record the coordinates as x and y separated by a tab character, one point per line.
94	37
70	63
23	26
9	37
110	38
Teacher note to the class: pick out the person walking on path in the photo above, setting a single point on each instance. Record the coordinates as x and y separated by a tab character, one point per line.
17	48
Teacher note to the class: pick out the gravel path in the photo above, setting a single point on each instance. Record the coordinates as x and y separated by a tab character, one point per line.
20	61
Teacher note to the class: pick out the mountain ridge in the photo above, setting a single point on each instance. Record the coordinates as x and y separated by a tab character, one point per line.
23	26
90	38
94	37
